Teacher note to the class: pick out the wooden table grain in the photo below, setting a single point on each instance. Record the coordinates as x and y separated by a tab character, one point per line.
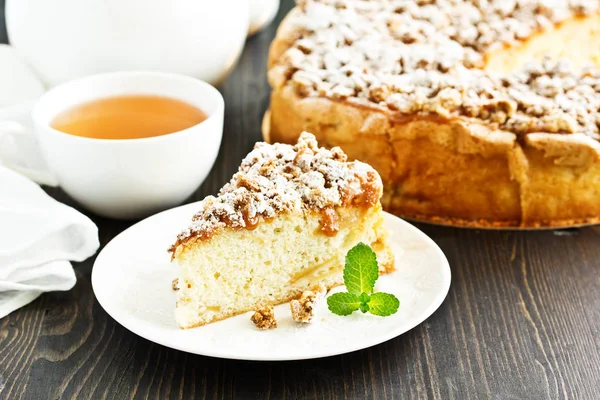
521	321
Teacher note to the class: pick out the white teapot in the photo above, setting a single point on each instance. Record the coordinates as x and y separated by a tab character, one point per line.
262	13
67	39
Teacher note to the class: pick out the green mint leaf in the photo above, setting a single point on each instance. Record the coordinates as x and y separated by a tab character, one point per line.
383	304
361	269
364	302
343	303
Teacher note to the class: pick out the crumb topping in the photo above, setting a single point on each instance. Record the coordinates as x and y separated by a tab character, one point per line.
264	318
282	178
424	56
303	309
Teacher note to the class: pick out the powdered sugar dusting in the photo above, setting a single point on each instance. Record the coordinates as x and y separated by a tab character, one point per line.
281	178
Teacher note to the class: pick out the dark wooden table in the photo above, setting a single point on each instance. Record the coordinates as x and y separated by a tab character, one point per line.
521	321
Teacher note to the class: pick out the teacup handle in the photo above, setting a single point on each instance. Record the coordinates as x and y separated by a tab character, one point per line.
19	148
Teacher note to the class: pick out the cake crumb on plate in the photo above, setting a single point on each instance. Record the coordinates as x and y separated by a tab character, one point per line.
264	318
303	309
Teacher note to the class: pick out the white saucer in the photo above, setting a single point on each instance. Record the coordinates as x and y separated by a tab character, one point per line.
132	281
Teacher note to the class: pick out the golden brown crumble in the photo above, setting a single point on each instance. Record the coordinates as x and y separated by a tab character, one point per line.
264	318
425	57
282	178
303	309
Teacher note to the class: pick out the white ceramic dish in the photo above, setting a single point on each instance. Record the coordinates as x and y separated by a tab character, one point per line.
132	281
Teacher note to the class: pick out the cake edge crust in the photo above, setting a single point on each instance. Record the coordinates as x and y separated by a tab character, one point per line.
564	154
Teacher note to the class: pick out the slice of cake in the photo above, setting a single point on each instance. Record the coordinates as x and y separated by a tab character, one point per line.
282	225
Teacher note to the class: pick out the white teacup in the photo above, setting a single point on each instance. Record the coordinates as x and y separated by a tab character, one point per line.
130	178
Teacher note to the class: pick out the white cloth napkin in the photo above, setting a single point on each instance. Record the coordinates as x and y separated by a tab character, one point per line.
38	235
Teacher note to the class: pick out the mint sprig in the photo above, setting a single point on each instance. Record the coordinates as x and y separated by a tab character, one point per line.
360	274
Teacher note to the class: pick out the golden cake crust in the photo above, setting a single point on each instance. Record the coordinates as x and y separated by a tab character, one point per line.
537	166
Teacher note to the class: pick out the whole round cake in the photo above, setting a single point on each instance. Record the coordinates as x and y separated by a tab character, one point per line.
478	113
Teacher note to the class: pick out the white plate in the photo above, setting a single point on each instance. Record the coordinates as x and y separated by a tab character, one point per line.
132	281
